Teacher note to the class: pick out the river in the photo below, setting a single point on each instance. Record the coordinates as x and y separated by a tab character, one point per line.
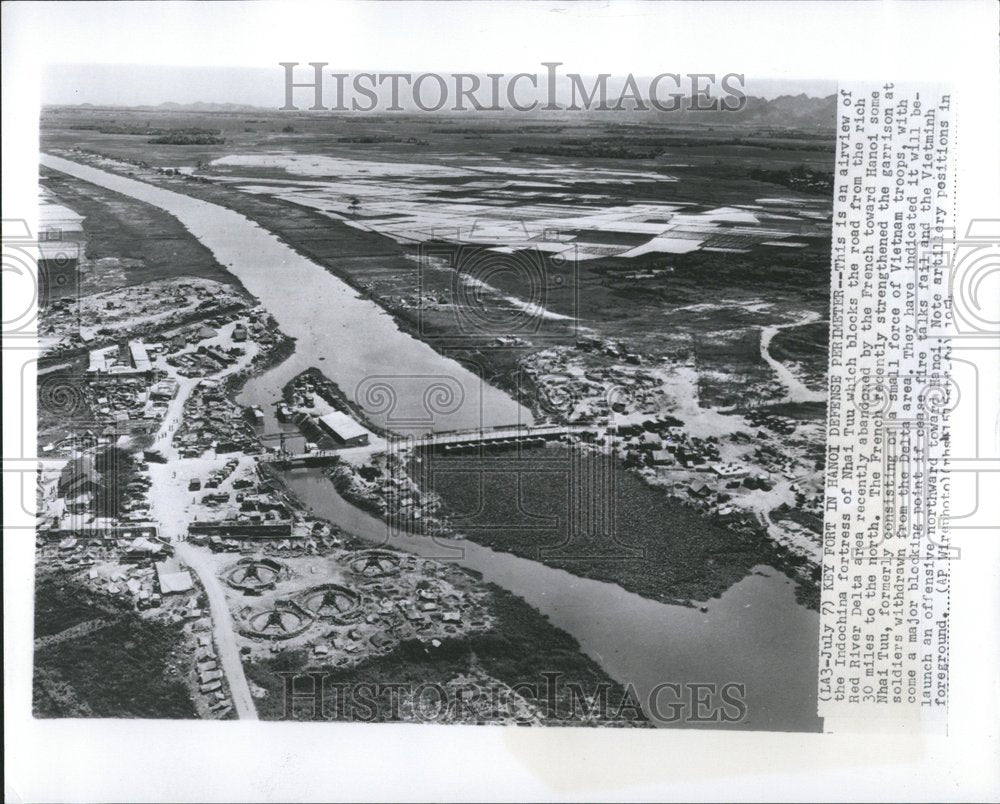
400	381
755	634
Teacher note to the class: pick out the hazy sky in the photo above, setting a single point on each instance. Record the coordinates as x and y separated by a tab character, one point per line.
615	37
806	41
130	85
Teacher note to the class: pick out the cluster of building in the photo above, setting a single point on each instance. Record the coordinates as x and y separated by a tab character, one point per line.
71	544
148	573
415	599
732	474
662	441
422	301
125	359
385	486
239	509
125	392
82	440
130	562
243	516
212	421
93	320
211	680
205	360
313	404
610	348
301	393
431	612
294	538
575	393
188	353
782	425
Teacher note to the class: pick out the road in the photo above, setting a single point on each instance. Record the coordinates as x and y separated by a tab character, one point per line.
798	391
363	454
224	629
168	496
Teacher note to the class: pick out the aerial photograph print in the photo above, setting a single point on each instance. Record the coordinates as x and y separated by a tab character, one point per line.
476	415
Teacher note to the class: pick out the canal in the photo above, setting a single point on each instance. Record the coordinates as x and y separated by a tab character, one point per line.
756	634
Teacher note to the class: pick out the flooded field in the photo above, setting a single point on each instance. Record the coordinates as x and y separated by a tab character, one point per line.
352	338
495	206
754	632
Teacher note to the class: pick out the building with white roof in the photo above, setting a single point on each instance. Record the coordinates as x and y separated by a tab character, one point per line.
344	429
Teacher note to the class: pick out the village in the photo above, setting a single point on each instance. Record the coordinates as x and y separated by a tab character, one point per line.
77	322
158	460
722	463
345	605
164	494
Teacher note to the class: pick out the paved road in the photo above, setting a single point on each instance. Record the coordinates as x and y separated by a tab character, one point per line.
224	629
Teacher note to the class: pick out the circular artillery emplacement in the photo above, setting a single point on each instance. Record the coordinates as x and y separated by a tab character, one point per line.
253	576
375	564
331	602
284	620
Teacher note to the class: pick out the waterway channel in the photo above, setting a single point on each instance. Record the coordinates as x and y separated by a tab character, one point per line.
755	634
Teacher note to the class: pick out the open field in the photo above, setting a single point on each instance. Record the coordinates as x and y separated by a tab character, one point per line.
661	288
128	242
377	202
120	666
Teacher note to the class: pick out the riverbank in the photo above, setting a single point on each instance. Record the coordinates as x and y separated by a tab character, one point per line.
520	648
645	541
119	251
357	338
333	394
649	641
333	244
524	670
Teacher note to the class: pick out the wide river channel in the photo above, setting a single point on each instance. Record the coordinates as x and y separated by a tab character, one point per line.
755	634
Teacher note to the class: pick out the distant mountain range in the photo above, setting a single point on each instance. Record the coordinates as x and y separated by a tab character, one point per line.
786	110
800	110
170	106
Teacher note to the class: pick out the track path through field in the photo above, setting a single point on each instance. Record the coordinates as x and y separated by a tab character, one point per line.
798	391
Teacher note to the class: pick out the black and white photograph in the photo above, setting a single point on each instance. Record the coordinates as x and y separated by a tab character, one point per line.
415	365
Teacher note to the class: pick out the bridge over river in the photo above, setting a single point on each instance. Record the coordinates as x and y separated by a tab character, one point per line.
450	442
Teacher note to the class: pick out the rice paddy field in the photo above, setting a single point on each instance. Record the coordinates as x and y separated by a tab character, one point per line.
687	263
545	229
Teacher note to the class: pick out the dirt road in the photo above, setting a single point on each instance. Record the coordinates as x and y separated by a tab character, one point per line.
223	628
798	391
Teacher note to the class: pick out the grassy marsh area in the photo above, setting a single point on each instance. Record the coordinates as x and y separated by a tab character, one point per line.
96	658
